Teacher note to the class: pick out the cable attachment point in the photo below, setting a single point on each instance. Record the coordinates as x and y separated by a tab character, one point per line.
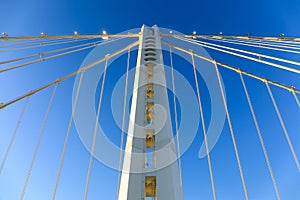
57	81
215	62
76	34
104	35
292	89
249	35
43	35
266	81
41	56
221	35
4	35
259	56
83	69
281	36
191	52
194	35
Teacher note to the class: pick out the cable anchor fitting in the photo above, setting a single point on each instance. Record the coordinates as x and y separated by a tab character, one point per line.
41	56
107	57
266	81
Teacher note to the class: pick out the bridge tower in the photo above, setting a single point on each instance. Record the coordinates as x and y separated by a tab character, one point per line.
150	168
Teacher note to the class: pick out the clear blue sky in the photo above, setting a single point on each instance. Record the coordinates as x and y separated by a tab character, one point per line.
269	17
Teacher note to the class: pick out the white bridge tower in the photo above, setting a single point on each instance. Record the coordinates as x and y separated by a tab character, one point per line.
150	167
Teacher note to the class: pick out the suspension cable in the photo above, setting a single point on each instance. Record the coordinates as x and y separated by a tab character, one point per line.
42	58
14	135
67	137
283	126
250	58
204	130
48	41
291	88
48	52
3	105
275	39
232	134
38	143
95	36
43	45
252	53
95	133
176	119
18	59
292	45
15	45
123	122
243	51
251	44
260	137
267	44
296	98
6	43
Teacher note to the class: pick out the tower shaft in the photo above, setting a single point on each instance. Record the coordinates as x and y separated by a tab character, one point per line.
150	169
